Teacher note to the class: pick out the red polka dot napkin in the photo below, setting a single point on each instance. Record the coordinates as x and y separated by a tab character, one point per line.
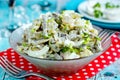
102	61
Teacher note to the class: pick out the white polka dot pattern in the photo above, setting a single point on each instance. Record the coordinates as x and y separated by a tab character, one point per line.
109	57
99	69
95	61
83	70
118	46
118	50
116	40
97	65
101	56
107	52
91	69
93	72
112	49
114	54
102	61
110	62
89	64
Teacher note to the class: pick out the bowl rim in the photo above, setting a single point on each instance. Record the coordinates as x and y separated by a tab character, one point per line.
18	52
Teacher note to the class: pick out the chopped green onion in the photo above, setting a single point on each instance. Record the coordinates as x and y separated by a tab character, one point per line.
47	37
24	44
86	40
65	49
80	49
87	22
88	47
33	30
85	35
98	38
50	20
75	50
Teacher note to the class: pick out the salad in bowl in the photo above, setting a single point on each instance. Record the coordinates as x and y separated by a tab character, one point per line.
60	36
58	43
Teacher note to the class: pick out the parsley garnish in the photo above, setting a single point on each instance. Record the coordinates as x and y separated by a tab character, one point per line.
98	13
97	5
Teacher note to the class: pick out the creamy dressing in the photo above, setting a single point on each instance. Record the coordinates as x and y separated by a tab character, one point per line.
60	36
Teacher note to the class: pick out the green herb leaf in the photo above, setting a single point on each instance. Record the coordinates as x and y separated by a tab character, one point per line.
109	5
98	13
97	5
98	38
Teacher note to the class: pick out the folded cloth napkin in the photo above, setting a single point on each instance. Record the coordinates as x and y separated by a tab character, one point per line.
102	61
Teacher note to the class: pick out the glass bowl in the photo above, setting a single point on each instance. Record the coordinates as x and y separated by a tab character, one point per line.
51	67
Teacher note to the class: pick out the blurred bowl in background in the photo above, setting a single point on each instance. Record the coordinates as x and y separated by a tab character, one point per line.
110	22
